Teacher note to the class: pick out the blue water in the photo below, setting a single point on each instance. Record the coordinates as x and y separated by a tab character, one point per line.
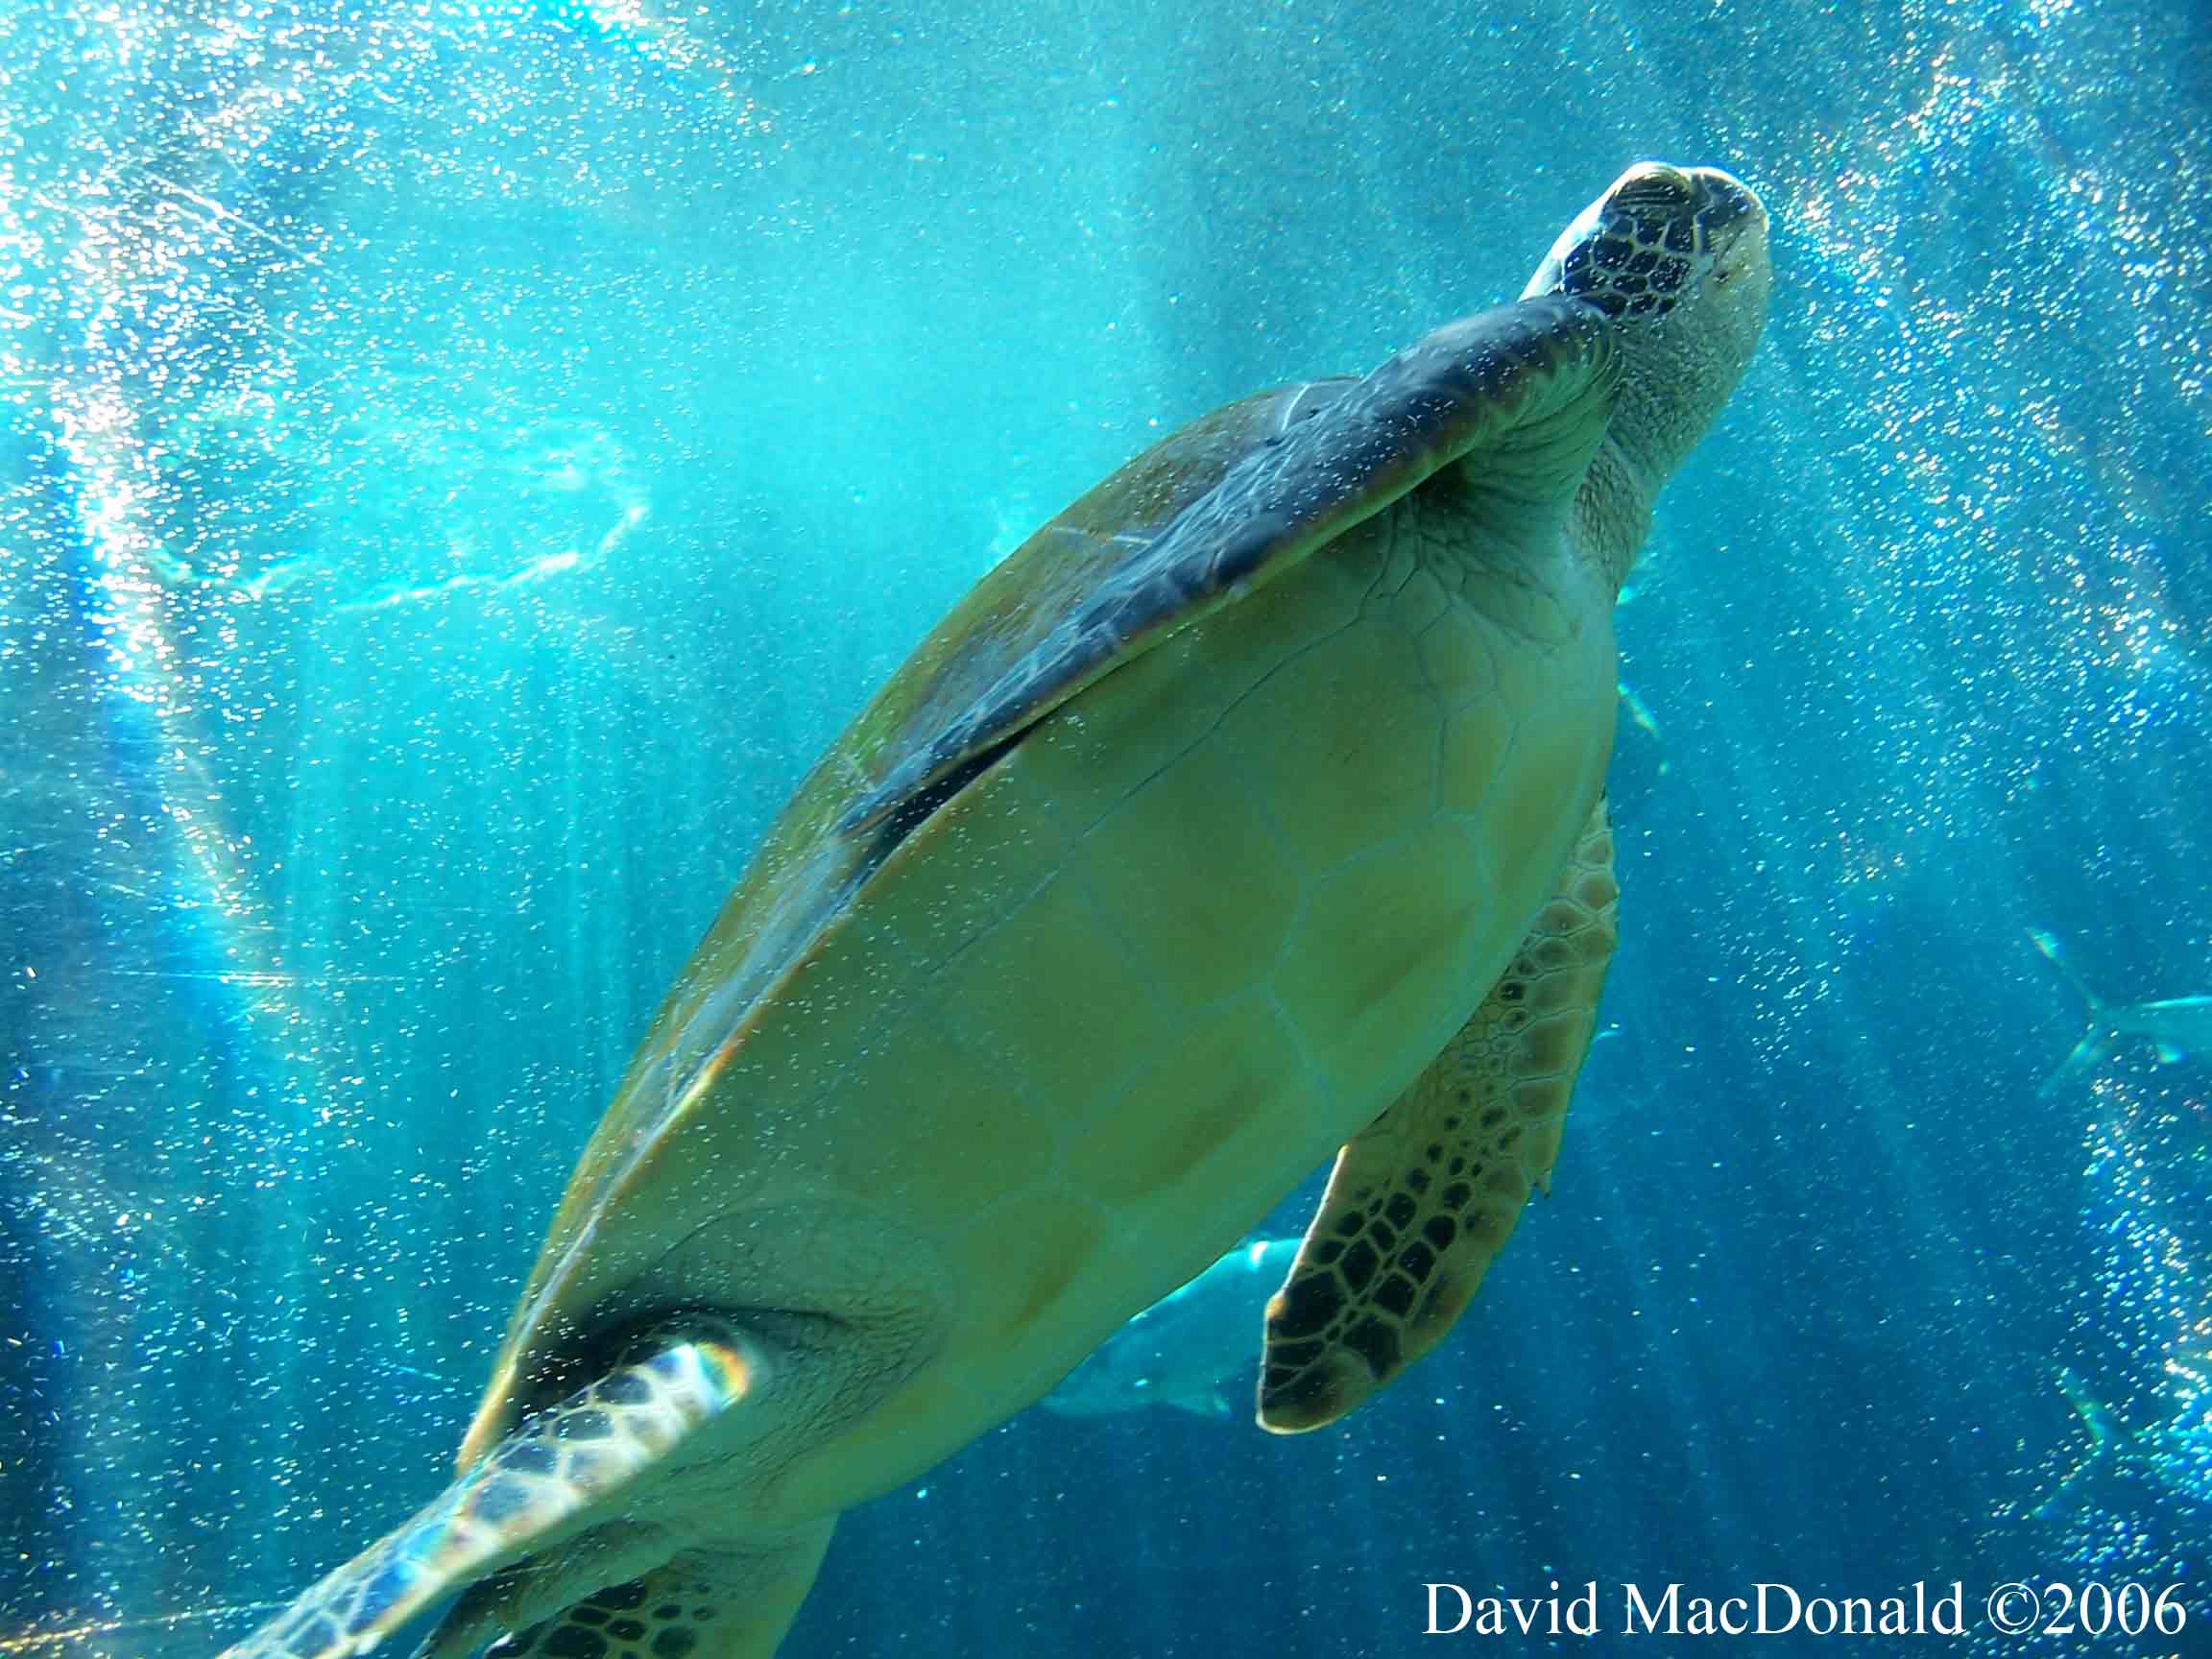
463	462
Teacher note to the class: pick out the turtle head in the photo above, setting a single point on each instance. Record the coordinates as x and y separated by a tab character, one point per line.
1677	258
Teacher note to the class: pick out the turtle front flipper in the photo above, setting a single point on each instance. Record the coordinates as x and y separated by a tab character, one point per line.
1527	389
529	1490
718	1603
1422	1201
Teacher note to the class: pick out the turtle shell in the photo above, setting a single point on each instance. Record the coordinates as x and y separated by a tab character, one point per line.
1211	512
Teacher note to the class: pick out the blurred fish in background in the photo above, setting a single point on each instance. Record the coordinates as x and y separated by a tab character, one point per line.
1192	1350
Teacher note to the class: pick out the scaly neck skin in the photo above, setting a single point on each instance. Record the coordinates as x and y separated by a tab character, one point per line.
1612	511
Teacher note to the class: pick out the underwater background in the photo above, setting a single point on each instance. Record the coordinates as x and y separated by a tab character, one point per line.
463	461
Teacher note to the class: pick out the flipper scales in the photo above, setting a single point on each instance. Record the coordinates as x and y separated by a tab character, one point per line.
1421	1202
552	1467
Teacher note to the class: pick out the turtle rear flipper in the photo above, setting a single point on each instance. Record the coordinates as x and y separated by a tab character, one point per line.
528	1491
1421	1202
719	1603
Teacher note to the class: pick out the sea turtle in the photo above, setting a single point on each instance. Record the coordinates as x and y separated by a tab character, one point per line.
1251	806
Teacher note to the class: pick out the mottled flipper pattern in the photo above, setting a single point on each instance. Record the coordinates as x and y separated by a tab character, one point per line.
1421	1203
556	1465
704	1605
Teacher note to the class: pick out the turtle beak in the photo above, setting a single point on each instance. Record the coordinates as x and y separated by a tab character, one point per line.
1727	207
1732	221
1728	199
